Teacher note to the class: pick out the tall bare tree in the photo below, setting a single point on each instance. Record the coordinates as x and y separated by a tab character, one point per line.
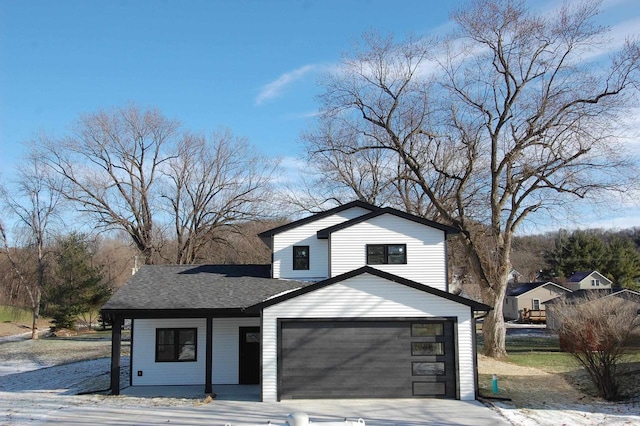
213	184
34	204
110	164
514	114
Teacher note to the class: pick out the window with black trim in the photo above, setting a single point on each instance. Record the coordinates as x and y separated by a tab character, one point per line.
300	257
383	254
176	344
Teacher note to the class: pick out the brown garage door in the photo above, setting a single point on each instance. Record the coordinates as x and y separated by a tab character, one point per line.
366	359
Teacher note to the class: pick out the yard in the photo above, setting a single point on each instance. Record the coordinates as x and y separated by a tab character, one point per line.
544	385
539	384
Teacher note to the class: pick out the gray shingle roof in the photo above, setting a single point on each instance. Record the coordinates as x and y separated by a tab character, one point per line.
579	276
526	287
168	287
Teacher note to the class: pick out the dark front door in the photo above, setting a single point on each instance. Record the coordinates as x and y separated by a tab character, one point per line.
249	355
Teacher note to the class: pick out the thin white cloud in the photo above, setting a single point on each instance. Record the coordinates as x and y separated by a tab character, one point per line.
302	115
276	87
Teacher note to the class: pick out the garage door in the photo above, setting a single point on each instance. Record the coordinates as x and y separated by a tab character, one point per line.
366	359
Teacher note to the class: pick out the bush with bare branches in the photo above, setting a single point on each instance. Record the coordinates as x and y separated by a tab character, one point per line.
597	332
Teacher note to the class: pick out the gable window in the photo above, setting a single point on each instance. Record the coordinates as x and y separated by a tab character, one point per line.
595	282
176	344
300	257
382	254
535	304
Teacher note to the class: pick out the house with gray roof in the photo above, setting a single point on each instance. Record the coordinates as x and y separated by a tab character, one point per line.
588	280
354	304
530	297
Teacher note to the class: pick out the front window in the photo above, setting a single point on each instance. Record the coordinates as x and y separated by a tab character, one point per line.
382	254
300	257
176	344
535	304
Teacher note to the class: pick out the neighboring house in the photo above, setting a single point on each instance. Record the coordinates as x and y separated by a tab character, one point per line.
593	280
515	277
580	296
354	305
530	297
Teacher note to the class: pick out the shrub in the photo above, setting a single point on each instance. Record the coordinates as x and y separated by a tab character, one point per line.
597	332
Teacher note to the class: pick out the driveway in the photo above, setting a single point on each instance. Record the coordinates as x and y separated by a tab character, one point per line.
373	412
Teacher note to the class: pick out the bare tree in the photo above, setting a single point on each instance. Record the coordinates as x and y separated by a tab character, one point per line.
213	184
597	332
34	203
110	165
505	119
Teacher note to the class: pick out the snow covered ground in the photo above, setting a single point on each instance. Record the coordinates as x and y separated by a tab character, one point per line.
605	414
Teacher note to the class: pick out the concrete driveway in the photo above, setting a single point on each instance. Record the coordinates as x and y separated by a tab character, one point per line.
374	412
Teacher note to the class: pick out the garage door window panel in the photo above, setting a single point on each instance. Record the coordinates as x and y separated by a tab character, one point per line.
429	388
427	348
427	330
428	368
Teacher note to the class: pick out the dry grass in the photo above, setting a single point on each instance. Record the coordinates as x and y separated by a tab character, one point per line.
526	386
60	350
552	383
9	328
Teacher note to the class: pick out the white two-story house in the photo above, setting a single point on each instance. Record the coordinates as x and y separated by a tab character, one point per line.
353	305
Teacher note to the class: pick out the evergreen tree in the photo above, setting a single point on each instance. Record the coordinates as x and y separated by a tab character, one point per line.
623	265
615	256
79	286
578	251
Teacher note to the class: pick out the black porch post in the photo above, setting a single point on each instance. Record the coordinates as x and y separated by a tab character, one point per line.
208	388
116	339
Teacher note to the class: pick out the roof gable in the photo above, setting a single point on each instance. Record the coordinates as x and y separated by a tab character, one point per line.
324	233
581	275
317	216
477	306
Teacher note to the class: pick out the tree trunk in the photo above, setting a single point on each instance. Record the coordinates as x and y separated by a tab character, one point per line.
35	309
493	331
493	327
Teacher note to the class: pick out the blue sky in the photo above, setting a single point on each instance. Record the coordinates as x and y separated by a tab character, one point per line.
248	65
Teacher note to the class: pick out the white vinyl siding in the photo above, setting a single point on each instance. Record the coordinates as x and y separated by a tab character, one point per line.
368	296
226	339
426	262
305	235
165	373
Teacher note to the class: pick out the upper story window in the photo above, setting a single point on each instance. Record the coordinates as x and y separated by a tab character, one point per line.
300	257
595	282
382	254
